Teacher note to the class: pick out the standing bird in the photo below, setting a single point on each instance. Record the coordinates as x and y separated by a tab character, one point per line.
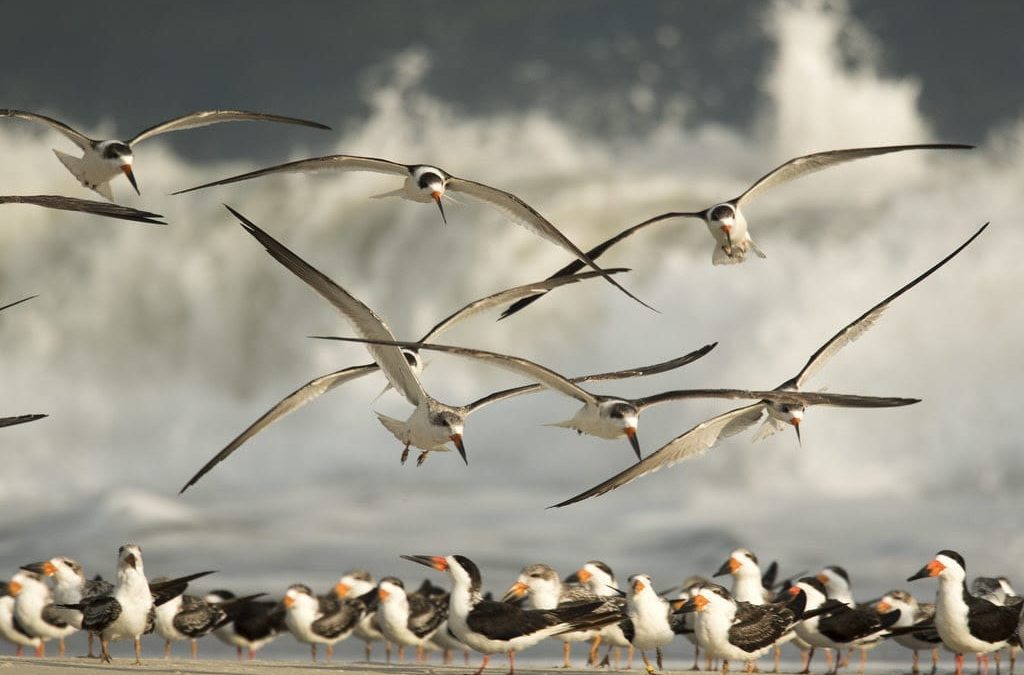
409	619
319	619
966	623
424	183
35	612
103	160
84	206
649	615
726	222
491	627
10	629
126	612
913	614
360	584
69	587
599	579
187	617
251	624
697	440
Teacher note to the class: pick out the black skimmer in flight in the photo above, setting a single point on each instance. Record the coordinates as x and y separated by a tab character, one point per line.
614	417
966	623
70	586
833	624
360	584
425	184
10	629
491	627
540	587
317	620
125	613
103	160
734	630
697	440
913	614
251	624
325	383
35	612
85	206
726	222
409	619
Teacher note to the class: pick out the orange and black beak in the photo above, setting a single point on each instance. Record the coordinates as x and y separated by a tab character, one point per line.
287	601
127	169
436	562
695	604
457	440
882	607
638	586
727	229
13	588
728	567
131	560
382	595
583	575
515	592
796	427
46	569
932	569
340	589
436	194
631	435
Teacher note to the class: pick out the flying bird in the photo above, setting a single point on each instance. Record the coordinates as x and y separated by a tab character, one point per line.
85	206
726	222
705	435
103	160
19	419
424	183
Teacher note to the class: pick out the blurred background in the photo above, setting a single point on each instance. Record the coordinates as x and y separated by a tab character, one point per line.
151	347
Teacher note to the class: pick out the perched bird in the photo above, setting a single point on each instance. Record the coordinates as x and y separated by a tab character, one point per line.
325	383
734	630
360	584
913	614
103	160
424	183
409	619
35	612
126	611
319	619
614	417
491	627
10	629
251	625
85	206
69	587
966	623
697	440
726	222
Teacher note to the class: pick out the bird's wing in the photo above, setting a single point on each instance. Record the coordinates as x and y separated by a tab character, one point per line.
525	215
20	419
515	364
691	443
862	323
802	398
78	138
163	591
54	616
17	302
289	404
312	165
99	612
205	117
342	619
197	618
801	166
363	319
508	295
596	253
85	205
97	586
425	615
757	626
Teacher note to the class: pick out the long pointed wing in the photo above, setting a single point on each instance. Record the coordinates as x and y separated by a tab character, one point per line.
806	399
801	166
515	364
641	371
162	591
19	419
205	117
86	206
328	163
17	302
528	217
694	442
862	323
289	404
363	319
596	253
509	295
79	139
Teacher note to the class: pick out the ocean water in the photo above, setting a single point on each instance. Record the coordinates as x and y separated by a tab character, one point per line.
151	347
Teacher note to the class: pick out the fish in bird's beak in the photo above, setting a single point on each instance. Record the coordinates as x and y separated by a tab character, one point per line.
436	194
631	435
932	569
437	562
46	569
457	440
515	591
127	169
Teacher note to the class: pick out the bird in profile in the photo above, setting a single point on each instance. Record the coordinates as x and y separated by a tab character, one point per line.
104	160
726	222
697	440
425	183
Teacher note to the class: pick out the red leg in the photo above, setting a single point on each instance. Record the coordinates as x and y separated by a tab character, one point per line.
959	661
483	665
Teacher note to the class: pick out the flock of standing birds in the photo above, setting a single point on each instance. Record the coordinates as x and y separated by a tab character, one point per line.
51	599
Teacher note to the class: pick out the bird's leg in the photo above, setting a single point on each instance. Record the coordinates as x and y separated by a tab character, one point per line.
368	648
914	669
90	654
647	664
238	653
167	649
828	660
630	653
1013	658
725	666
511	663
776	658
935	660
959	661
565	654
104	650
138	651
419	654
405	453
40	650
446	657
401	653
195	649
806	655
658	658
465	657
487	657
19	651
330	653
387	652
312	651
60	651
594	645
422	458
707	661
750	667
863	660
999	657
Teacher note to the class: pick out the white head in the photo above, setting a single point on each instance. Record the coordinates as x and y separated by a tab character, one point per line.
129	560
901	600
27	584
624	417
540	582
448	424
300	598
790	413
710	596
723	217
354	583
947	565
641	590
431	181
119	154
741	562
598	578
837	583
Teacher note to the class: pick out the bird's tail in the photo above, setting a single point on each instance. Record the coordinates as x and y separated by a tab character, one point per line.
76	165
